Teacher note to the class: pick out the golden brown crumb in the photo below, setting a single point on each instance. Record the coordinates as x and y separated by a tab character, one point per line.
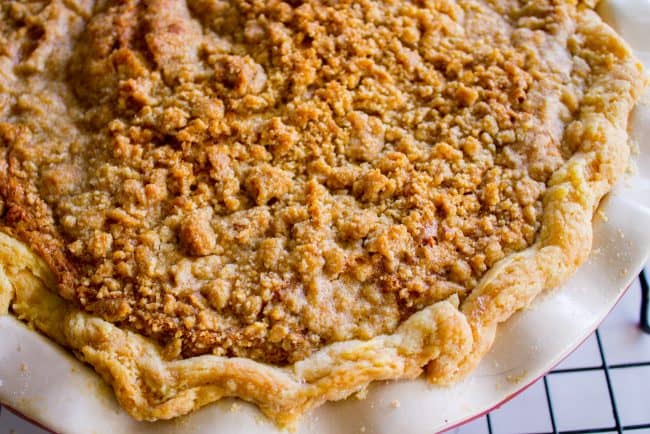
196	235
260	179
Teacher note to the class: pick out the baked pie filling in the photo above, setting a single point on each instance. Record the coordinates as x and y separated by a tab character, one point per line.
262	180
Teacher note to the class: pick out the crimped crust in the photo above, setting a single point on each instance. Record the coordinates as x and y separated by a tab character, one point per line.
447	338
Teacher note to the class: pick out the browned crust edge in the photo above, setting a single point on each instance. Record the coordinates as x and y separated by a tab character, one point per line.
448	339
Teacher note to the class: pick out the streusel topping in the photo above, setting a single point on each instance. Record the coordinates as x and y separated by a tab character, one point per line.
262	178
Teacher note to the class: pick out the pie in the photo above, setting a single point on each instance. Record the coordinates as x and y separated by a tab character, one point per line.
284	201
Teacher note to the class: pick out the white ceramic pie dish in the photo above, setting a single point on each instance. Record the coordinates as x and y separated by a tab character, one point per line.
48	385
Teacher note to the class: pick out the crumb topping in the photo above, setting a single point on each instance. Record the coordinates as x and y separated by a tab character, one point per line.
262	178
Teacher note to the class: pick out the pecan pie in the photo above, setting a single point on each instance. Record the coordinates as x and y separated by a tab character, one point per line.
284	201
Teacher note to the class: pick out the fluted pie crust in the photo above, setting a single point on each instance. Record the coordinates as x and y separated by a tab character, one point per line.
444	341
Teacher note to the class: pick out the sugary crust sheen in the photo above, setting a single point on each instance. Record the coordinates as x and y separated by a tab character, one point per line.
447	339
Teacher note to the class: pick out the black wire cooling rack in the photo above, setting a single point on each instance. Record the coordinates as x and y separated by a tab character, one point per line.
604	367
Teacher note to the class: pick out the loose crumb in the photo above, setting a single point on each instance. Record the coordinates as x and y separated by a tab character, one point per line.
516	378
